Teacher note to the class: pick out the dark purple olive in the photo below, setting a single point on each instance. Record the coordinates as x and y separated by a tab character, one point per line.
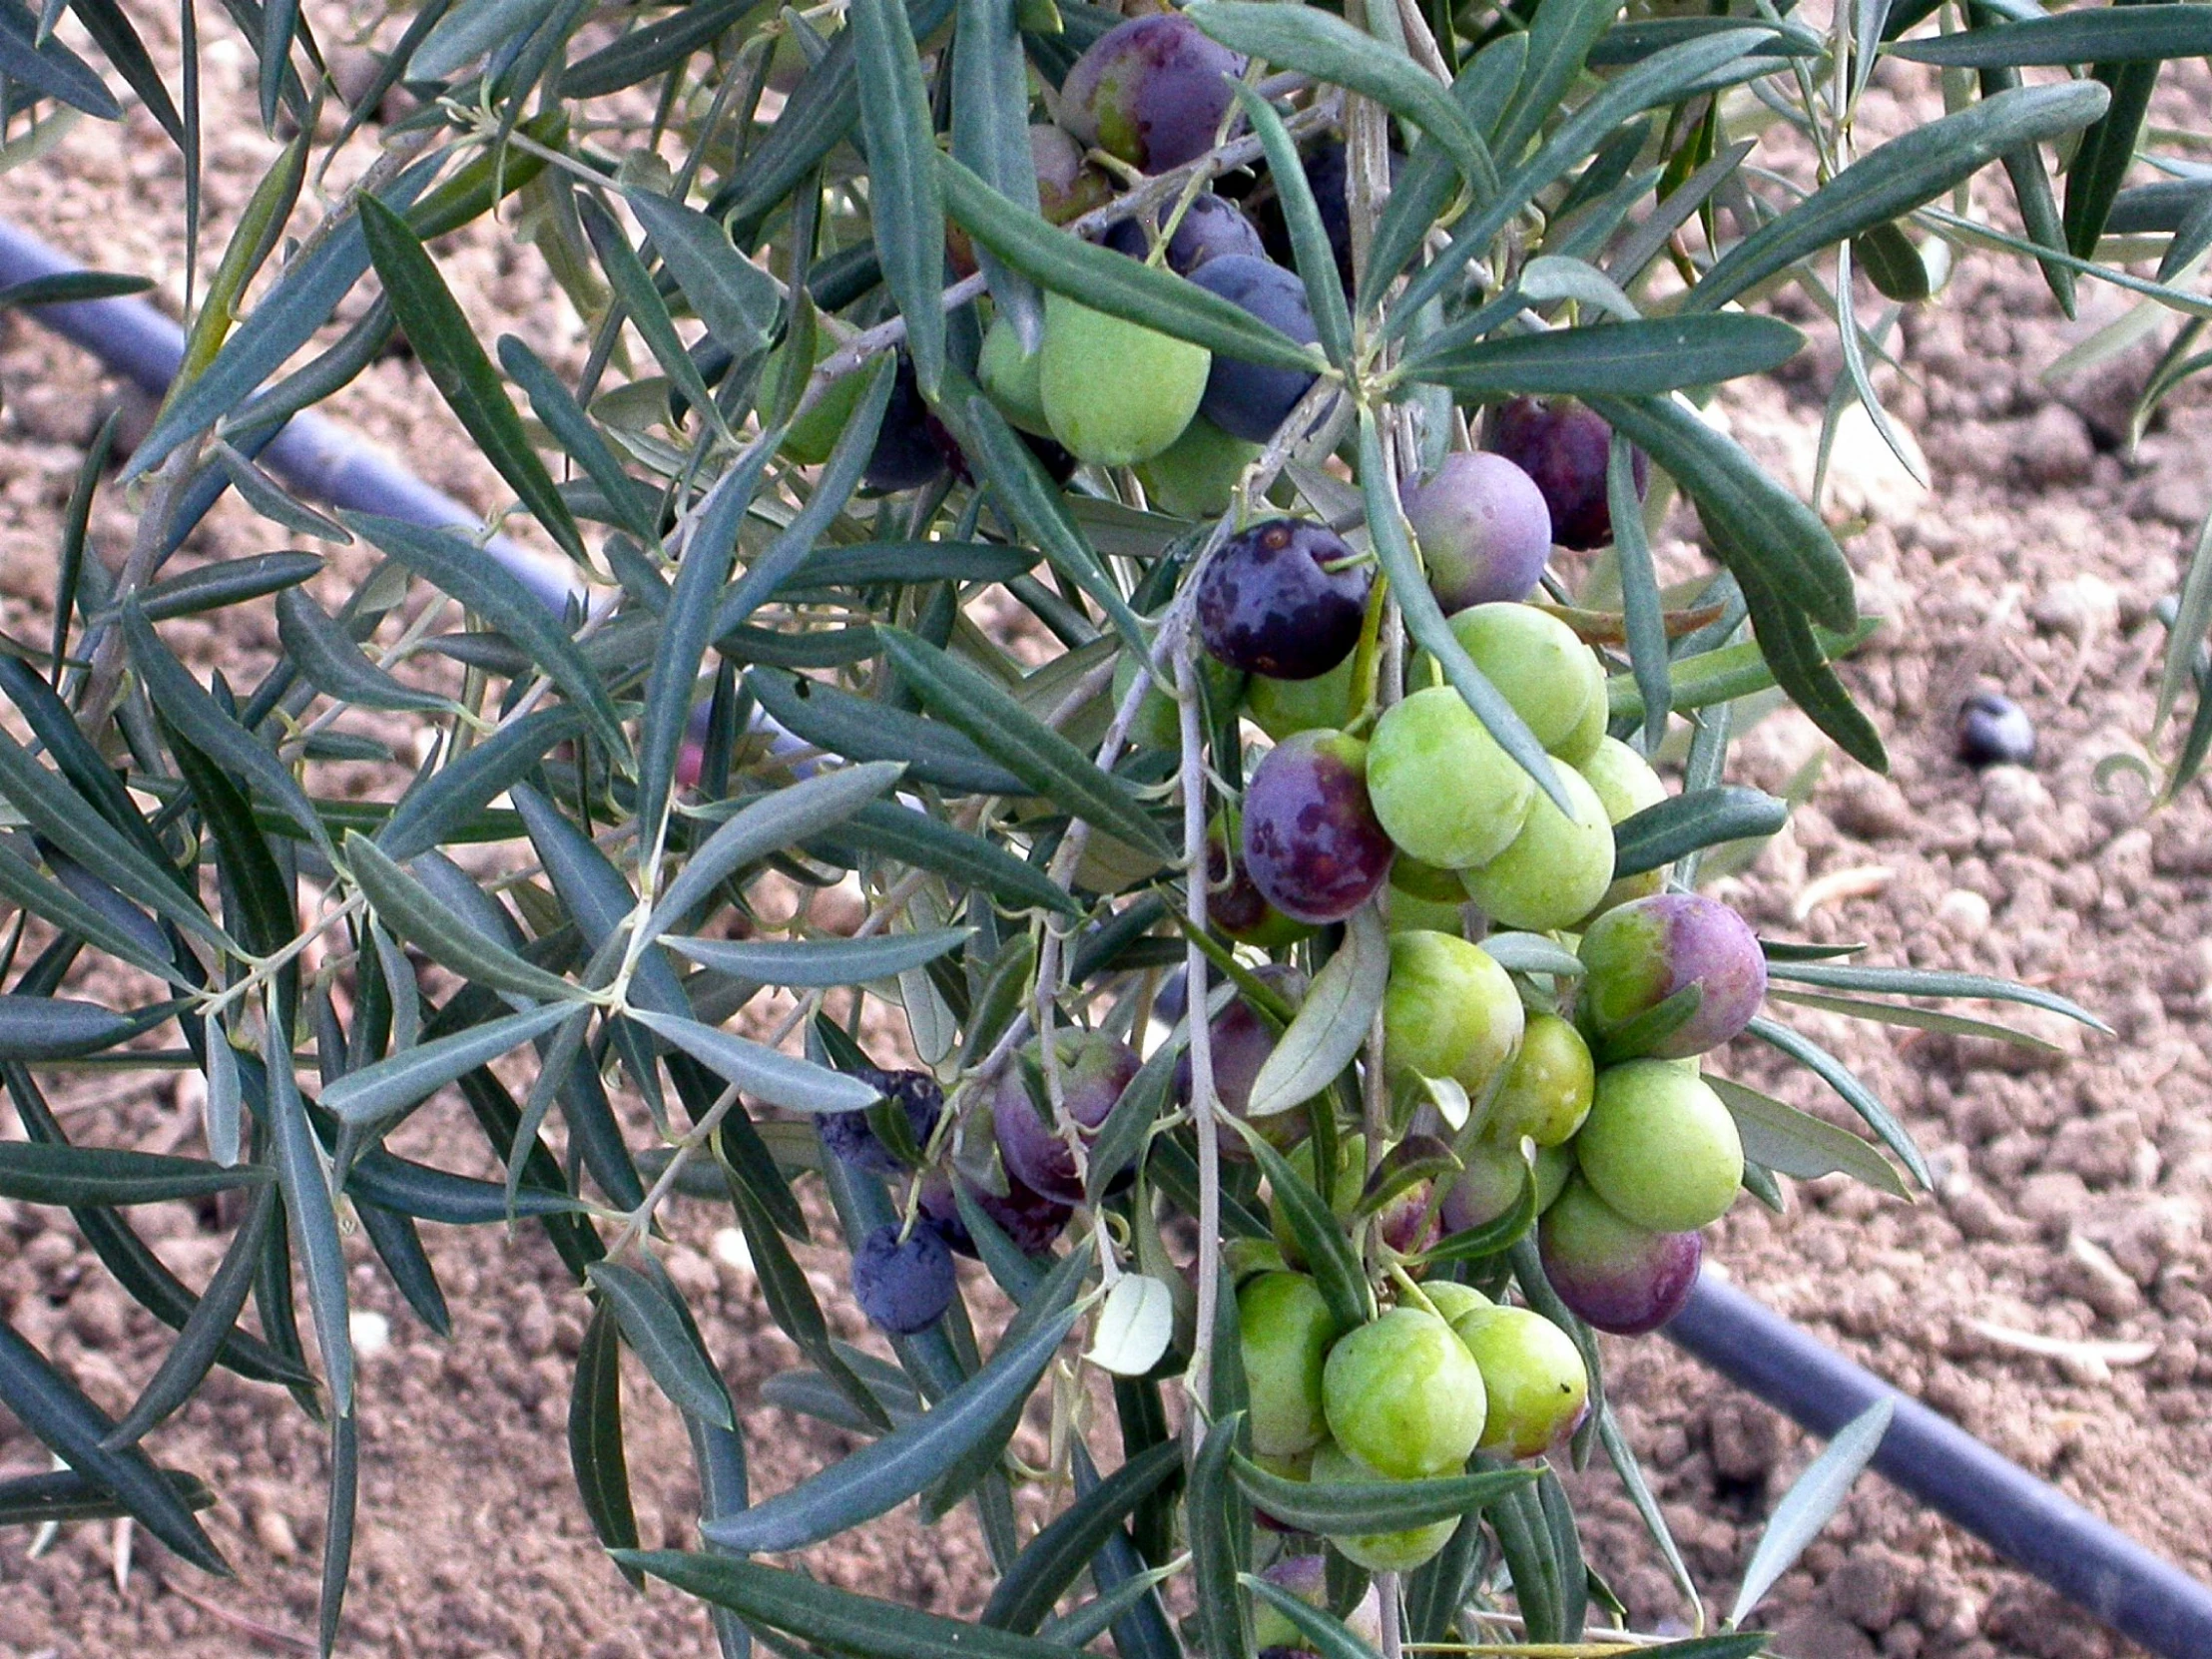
1094	1069
1151	91
1326	175
1245	399
1239	1043
1311	838
1994	731
1615	1274
1029	1219
1284	598
1212	228
1483	527
852	1139
1565	447
904	1285
1234	903
1058	465
910	445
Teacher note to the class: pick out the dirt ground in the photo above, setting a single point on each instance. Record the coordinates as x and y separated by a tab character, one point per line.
2073	1189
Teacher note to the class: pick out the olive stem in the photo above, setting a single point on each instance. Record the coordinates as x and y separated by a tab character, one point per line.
1203	1103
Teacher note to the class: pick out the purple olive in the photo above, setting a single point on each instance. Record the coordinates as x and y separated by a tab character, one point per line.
1235	904
1245	399
1068	188
849	1135
1615	1274
911	447
1151	91
1240	1043
1094	1069
1212	228
1994	731
1484	528
1028	1217
1284	598
904	1285
1639	954
1311	838
1565	447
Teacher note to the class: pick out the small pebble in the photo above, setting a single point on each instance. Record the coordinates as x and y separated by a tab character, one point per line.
1994	731
371	1331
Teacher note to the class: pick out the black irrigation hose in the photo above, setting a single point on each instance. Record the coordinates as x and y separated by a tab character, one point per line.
2027	1521
314	456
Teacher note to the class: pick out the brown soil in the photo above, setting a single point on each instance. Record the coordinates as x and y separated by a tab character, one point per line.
2071	1190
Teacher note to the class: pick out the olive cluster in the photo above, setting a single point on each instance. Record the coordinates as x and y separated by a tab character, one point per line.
1408	1396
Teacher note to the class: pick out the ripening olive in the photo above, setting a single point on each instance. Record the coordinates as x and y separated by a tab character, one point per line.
1404	1395
1557	866
1641	954
1548	1089
1311	838
1113	392
1151	91
1538	1386
1660	1148
1484	530
1286	1330
1448	1011
1614	1273
1443	789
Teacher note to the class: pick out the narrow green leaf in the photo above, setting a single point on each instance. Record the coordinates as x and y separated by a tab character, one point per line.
1325	1638
827	1616
54	1410
1781	1138
573	430
1755	522
658	1336
65	1496
733	296
1331	49
62	1028
999	725
57	904
1810	1505
686	628
1425	186
1317	262
1331	1024
1856	1094
887	829
50	69
458	366
595	1450
1532	1563
2130	34
1353	1508
1869	978
438	803
990	134
766	1074
326	658
905	195
35	1173
226	582
454	567
1560	43
645	52
1917	1019
823	963
648	312
186	705
1321	1236
1221	1542
1619	360
833	489
1019	482
374	1093
887	1472
1659	834
407	908
1801	668
768	824
932	751
314	1226
1424	618
1107	282
1897	177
